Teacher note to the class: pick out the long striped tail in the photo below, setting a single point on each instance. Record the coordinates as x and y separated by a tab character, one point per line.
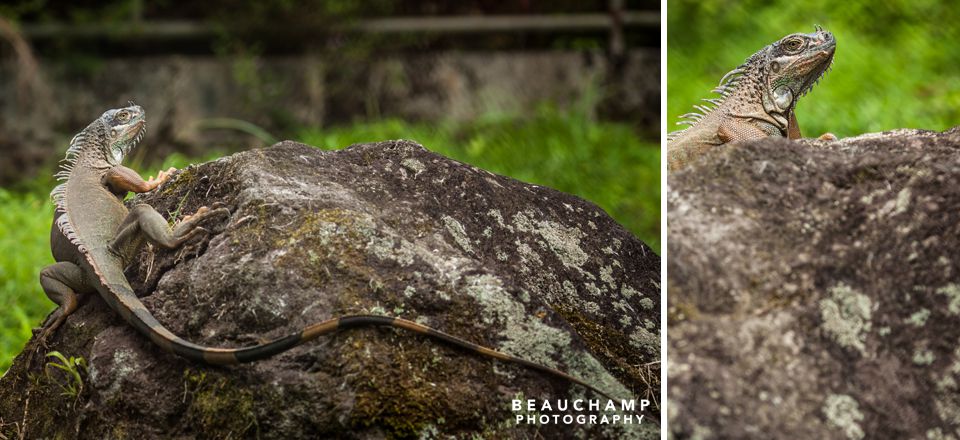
230	356
122	299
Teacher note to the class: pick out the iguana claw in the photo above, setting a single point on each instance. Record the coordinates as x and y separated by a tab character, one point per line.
828	137
162	177
200	211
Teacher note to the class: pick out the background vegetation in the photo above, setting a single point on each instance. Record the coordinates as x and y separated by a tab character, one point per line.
895	65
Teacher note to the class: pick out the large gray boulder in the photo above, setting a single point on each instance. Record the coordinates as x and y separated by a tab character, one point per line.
385	228
814	289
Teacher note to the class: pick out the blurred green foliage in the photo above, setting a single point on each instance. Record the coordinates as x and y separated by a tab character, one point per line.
606	163
25	220
895	65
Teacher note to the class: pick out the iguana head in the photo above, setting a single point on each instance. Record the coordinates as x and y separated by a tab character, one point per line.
105	142
768	84
124	128
793	66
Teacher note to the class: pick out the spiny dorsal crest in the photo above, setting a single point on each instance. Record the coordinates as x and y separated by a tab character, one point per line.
728	84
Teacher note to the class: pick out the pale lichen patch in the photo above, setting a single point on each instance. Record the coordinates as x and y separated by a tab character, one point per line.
569	288
414	165
606	275
593	290
952	292
458	232
645	340
563	241
937	434
623	308
923	356
903	201
524	336
948	408
409	291
919	318
386	248
125	363
528	255
843	412
947	384
495	213
646	304
591	307
846	316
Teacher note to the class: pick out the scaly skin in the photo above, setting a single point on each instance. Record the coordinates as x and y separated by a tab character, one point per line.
94	238
757	99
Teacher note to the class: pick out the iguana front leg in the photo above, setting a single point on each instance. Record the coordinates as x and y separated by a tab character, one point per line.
143	218
793	127
120	180
793	130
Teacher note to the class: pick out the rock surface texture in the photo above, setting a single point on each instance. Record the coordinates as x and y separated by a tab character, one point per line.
385	228
815	289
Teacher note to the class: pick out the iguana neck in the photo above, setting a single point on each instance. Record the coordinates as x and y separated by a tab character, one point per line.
751	98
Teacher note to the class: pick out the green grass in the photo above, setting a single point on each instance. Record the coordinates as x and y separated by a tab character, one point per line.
25	220
603	162
895	65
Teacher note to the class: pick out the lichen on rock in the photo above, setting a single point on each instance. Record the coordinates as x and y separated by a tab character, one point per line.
843	412
846	316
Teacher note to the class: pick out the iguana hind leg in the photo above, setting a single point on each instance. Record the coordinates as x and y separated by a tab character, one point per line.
63	284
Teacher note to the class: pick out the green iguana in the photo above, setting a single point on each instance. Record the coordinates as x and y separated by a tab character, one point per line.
94	238
757	99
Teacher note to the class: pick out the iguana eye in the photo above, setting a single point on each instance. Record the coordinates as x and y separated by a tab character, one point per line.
123	116
793	44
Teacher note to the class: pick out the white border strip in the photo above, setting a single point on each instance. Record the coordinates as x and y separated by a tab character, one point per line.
664	253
